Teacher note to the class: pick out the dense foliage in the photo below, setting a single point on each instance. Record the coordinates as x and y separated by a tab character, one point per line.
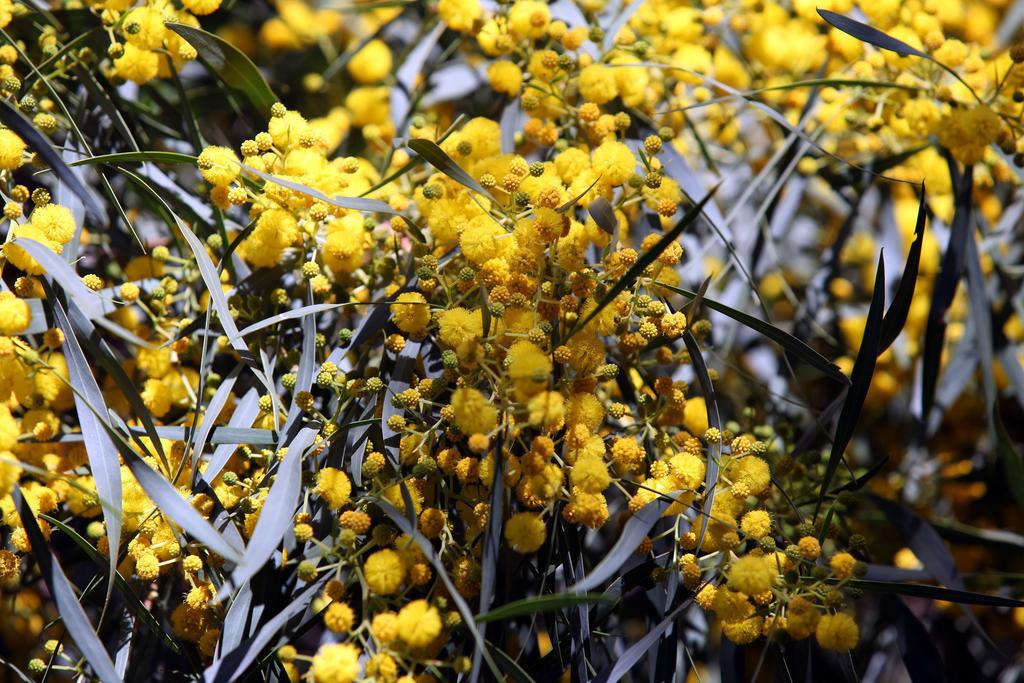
404	341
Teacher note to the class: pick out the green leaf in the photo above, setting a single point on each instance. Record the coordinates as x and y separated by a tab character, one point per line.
122	586
882	40
138	157
16	121
70	609
541	603
1010	456
429	150
783	339
860	382
230	64
922	590
896	317
354	203
646	259
603	214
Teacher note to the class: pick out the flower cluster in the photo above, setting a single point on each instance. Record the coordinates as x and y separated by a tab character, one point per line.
358	386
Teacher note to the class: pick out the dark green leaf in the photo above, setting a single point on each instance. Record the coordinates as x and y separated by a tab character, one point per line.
863	371
16	121
71	612
603	214
646	259
437	158
944	289
230	64
1010	456
869	34
138	158
783	339
541	603
921	590
896	317
122	586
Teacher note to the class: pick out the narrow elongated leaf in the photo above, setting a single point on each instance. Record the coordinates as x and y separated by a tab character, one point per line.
220	303
944	290
633	532
646	259
714	417
16	121
896	317
433	154
869	34
138	157
492	546
1012	462
604	215
296	314
123	588
780	337
234	663
921	590
277	511
920	655
924	540
541	603
509	666
71	612
173	506
307	366
210	413
230	65
575	200
354	203
241	419
624	662
407	527
100	450
863	371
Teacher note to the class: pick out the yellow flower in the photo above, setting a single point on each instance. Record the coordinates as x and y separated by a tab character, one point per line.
56	222
756	524
410	312
9	473
751	574
15	315
458	328
12	149
473	413
201	7
137	65
384	572
505	76
529	368
842	565
967	132
144	28
529	18
339	617
419	623
590	475
336	663
525	532
597	84
333	486
837	632
459	14
218	165
372	63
